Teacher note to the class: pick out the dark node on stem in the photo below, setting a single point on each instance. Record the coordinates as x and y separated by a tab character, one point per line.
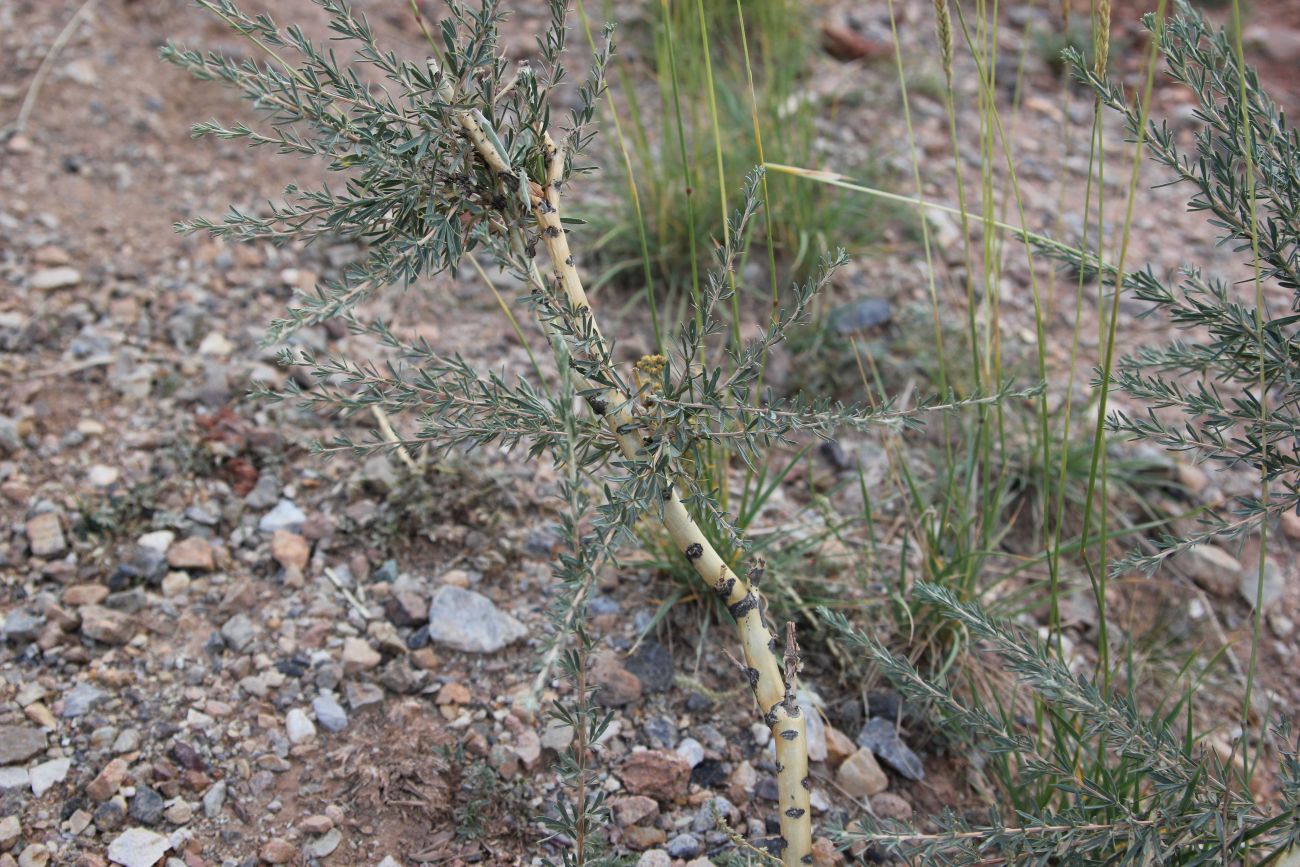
752	674
778	845
806	783
770	716
779	767
807	859
552	232
771	645
789	734
744	606
531	249
695	550
545	207
795	812
598	405
724	588
568	260
668	490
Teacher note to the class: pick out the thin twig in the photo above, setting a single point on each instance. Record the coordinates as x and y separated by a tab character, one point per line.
33	89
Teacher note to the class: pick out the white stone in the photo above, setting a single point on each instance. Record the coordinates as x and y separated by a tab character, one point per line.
285	516
299	727
55	278
216	344
102	476
138	847
48	774
159	540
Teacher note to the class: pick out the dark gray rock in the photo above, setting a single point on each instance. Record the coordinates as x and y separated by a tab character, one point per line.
329	713
880	736
684	846
22	626
861	315
82	699
660	732
147	806
653	666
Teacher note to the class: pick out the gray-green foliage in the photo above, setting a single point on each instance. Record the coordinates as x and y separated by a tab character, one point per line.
1227	391
440	159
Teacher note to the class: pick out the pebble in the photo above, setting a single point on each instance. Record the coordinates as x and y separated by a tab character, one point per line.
290	550
10	830
45	535
658	774
194	553
285	516
102	476
138	847
653	666
691	750
616	685
20	743
147	806
175	584
881	737
108	781
1274	583
358	655
329	713
470	622
35	855
1212	568
278	851
706	817
237	632
14	778
179	813
48	279
861	315
82	699
655	858
299	727
106	625
214	799
323	845
887	805
634	810
860	775
47	775
684	846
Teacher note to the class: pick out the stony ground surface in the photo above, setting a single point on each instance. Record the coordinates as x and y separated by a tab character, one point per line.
219	649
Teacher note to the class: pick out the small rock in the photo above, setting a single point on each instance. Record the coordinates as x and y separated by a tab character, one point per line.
846	44
653	665
881	737
815	727
634	810
290	550
45	536
406	608
285	516
147	806
470	622
324	844
1274	583
861	315
12	778
453	692
316	824
639	837
106	625
839	746
84	594
691	750
214	799
278	851
860	775
175	584
108	781
265	494
684	846
48	279
20	743
528	746
616	685
79	821
329	713
657	773
706	818
237	632
10	830
358	655
299	727
22	627
103	476
887	805
1291	525
179	813
82	698
110	814
47	775
35	855
1212	568
193	553
557	736
138	847
655	858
